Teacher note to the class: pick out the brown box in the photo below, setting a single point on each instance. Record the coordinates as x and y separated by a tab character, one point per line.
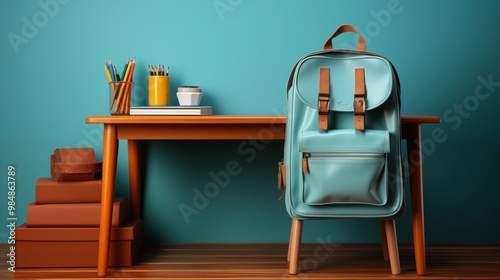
74	215
49	191
76	247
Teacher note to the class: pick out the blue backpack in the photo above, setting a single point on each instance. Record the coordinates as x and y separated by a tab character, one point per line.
342	156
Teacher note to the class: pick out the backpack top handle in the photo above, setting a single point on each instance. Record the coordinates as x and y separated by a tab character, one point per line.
343	29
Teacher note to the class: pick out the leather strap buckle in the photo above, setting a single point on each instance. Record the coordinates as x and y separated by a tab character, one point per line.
359	106
323	104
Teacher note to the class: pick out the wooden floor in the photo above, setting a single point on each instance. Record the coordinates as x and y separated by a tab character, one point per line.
268	261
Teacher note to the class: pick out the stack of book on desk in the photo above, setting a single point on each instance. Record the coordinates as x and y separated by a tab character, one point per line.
62	227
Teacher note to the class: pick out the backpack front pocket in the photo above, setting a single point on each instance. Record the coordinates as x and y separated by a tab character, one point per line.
345	167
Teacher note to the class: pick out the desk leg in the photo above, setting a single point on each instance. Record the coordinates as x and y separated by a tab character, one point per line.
414	147
134	178
109	156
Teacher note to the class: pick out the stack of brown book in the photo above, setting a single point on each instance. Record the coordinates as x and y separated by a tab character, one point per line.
62	227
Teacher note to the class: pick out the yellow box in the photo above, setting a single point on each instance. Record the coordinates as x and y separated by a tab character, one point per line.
159	90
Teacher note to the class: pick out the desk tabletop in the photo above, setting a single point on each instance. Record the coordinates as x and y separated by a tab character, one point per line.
223	119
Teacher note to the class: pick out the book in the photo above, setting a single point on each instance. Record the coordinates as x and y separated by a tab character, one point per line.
74	214
49	191
171	110
76	246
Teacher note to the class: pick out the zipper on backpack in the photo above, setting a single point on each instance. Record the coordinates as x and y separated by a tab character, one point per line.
345	155
341	155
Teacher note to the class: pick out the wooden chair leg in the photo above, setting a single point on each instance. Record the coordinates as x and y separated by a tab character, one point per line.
292	230
383	234
392	245
294	246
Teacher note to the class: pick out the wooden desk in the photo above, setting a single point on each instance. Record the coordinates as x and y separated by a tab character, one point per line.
136	128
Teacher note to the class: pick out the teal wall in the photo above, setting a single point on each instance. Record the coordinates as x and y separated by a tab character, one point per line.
241	52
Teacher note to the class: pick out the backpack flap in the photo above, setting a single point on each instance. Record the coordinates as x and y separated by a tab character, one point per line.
378	80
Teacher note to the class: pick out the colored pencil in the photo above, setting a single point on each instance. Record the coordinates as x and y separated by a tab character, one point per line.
125	88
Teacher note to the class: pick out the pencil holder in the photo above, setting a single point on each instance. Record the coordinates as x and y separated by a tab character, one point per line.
159	90
120	97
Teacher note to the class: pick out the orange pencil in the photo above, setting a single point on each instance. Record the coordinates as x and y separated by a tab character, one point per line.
115	94
122	89
128	89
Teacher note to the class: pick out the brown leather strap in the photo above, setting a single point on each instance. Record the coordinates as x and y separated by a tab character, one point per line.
323	98
343	29
281	178
359	99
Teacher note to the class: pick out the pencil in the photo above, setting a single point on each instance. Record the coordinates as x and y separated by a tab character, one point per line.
125	104
125	68
128	89
111	69
117	74
117	94
122	95
109	77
